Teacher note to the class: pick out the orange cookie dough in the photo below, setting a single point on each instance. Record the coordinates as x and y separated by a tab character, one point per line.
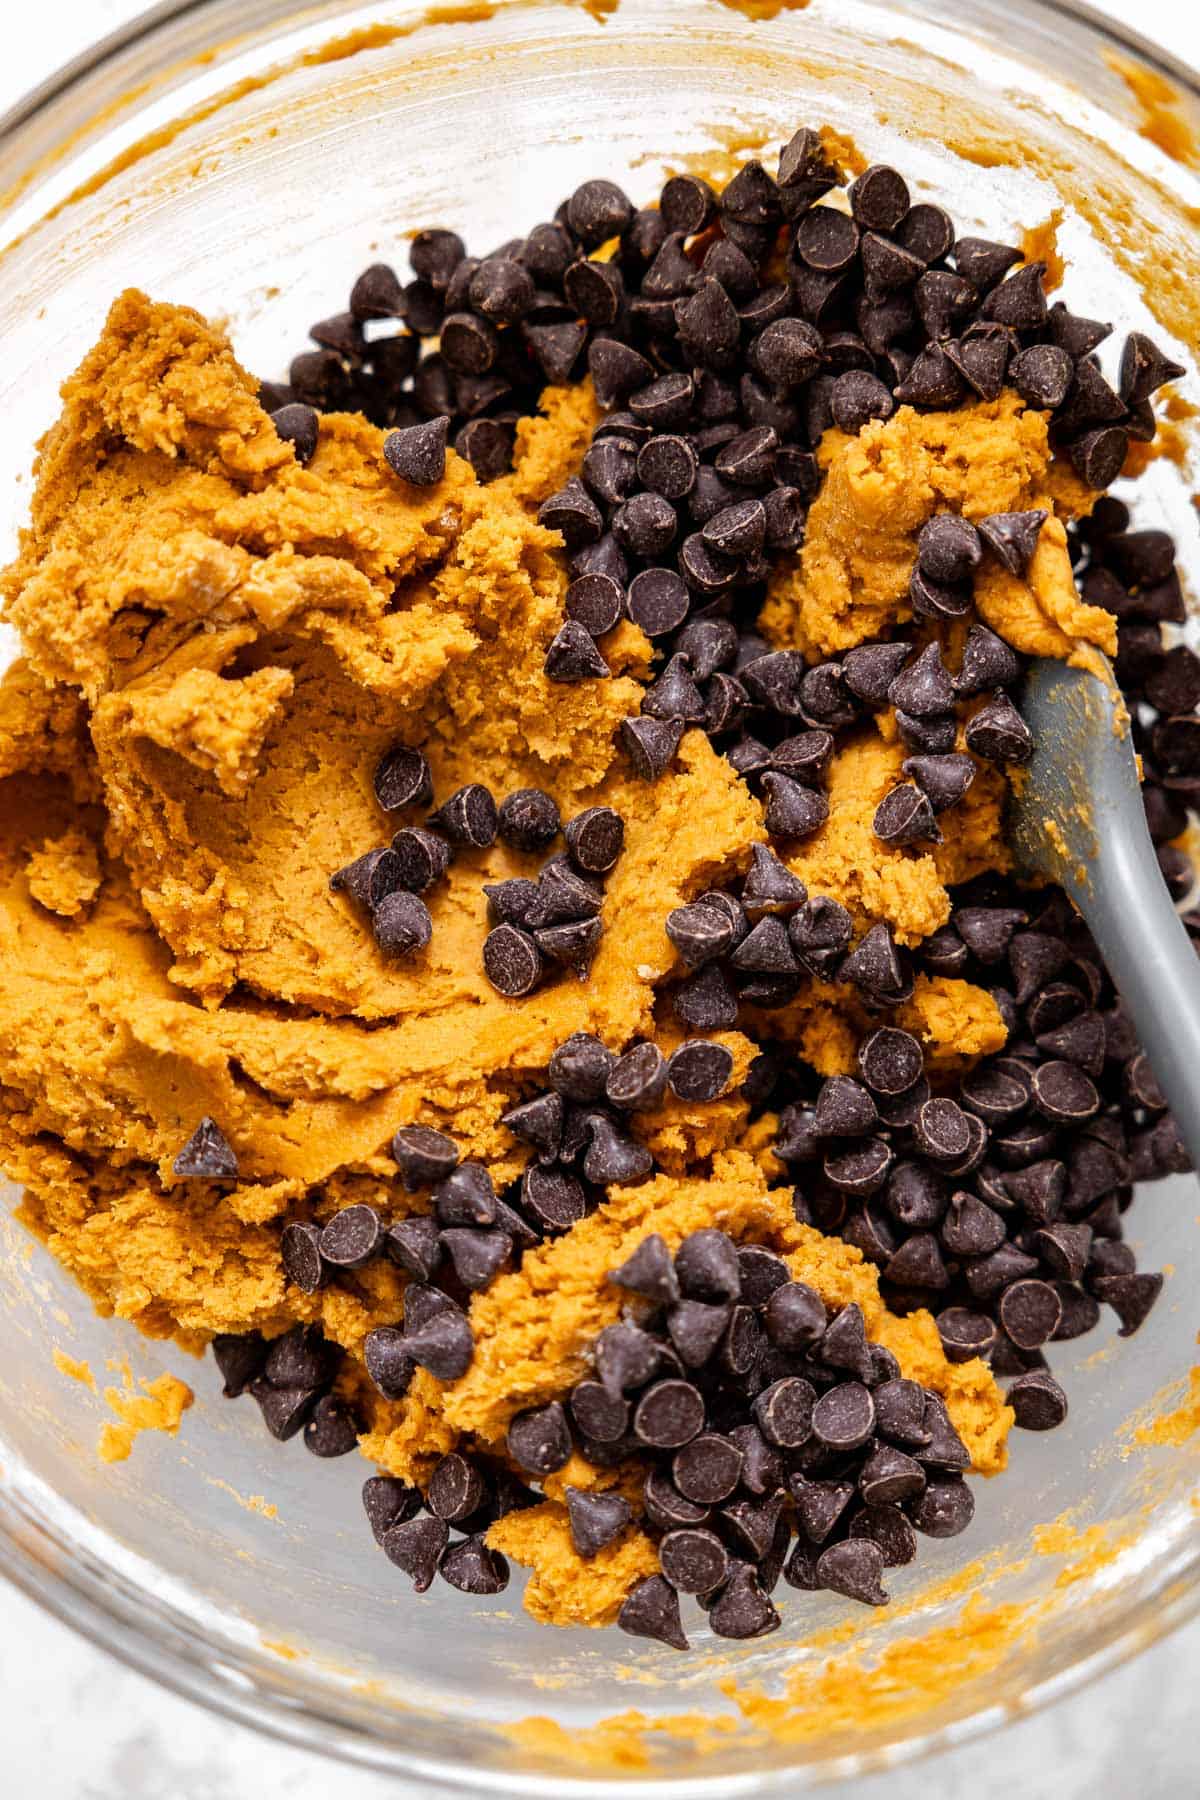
218	646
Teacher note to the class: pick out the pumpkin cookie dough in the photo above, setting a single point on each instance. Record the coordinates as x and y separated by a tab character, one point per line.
506	928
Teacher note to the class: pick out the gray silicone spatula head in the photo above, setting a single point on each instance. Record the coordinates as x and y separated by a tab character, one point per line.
1078	818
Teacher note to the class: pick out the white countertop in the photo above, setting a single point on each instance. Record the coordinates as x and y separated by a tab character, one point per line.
75	1725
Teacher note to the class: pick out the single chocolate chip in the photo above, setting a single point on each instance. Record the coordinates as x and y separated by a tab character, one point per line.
1012	539
706	1002
827	240
890	1060
580	1067
615	1160
300	427
905	816
416	1547
595	839
444	1345
933	381
927	231
539	1440
668	1415
401	924
941	299
554	1198
875	968
388	1501
999	734
595	1520
421	858
965	1334
529	818
784	1412
918	1264
300	1250
1099	455
853	1568
598	210
792	811
844	1416
573	656
417	453
879	198
945	1508
649	1272
795	1316
970	1227
695	1329
477	1256
948	550
674	695
820	934
352	1238
474	1568
468	817
707	1266
377	294
742	1610
403	780
857	397
707	1469
1037	1400
416	1245
844	1344
1030	1312
982	362
694	1560
626	1357
1130	1296
869	671
423	1156
385	1352
1064	1094
749	458
650	744
456	1489
699	1071
538	1122
596	603
924	688
900	1413
1144	369
651	1610
556	348
599	1415
207	1156
844	1108
465	1196
240	1358
930	737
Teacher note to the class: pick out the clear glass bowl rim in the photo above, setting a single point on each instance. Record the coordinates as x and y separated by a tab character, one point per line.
120	1620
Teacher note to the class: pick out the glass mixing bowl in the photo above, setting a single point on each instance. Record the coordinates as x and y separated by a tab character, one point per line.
227	155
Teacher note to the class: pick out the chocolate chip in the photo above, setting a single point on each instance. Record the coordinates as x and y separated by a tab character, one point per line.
423	1156
387	1359
857	397
420	858
844	1416
900	1413
948	550
417	1547
707	1266
927	231
554	1198
416	1245
352	1238
668	1415
749	458
388	1501
706	1002
456	1489
598	210
1144	369
1063	1093
615	1160
879	198
573	656
599	1415
240	1358
1037	1400
473	1568
742	1609
784	1412
651	1610
650	744
300	1250
556	348
649	1272
918	1264
1099	455
477	1256
539	1440
982	363
933	382
1130	1296
820	934
401	924
795	1316
699	1071
300	427
844	1108
875	969
1030	1312
207	1156
417	453
924	688
999	734
332	1428
853	1568
707	1469
695	1329
444	1345
465	1196
468	817
792	811
905	816
1012	538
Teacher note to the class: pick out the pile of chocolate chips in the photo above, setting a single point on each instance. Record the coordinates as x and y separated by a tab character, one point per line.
758	1415
726	334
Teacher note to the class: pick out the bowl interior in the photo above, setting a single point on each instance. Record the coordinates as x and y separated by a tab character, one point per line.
242	1570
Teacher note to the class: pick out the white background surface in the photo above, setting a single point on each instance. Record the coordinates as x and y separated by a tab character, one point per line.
74	1725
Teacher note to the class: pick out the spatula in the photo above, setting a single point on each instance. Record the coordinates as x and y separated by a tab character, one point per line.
1077	818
